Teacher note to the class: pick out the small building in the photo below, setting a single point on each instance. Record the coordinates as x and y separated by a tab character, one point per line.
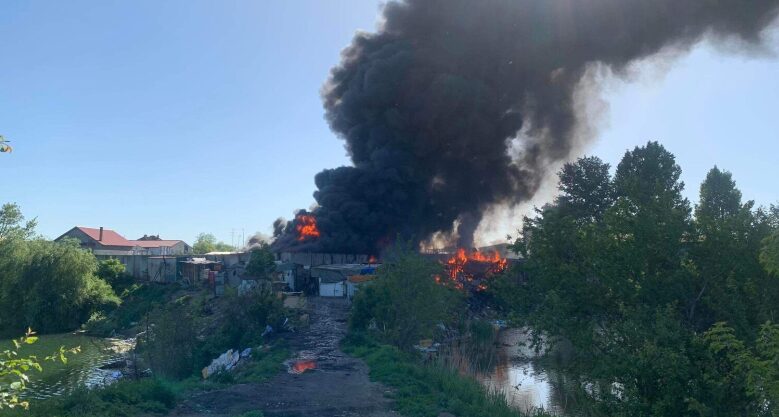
98	240
153	245
332	278
197	270
149	257
292	274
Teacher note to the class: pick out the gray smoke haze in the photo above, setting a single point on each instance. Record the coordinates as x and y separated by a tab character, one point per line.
431	105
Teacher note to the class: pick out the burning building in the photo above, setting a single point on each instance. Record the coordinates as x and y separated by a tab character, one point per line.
453	107
470	270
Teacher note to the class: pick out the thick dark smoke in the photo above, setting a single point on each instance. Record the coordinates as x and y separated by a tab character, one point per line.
431	106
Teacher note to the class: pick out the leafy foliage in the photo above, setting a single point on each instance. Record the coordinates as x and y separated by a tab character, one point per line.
122	399
170	342
404	304
112	272
206	242
769	255
621	271
425	390
262	262
15	369
12	224
48	286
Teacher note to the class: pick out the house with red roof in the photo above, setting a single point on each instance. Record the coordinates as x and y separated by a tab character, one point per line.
102	241
99	240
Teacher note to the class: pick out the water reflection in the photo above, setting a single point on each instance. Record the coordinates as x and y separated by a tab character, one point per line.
525	385
82	369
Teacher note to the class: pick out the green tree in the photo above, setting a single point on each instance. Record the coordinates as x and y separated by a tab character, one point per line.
110	270
404	304
206	242
752	371
262	263
170	341
729	278
49	286
649	225
585	189
12	223
769	254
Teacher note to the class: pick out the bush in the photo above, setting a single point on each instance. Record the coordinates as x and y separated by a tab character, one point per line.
264	364
49	286
246	316
404	304
170	343
123	399
112	271
425	390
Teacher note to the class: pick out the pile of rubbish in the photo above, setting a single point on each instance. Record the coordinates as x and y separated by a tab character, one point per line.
225	362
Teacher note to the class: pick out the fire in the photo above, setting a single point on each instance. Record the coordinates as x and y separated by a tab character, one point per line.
302	366
373	260
306	227
472	269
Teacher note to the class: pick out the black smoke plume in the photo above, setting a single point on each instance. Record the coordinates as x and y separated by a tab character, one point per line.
432	104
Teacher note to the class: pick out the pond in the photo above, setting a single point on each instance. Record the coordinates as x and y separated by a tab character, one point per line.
526	385
82	369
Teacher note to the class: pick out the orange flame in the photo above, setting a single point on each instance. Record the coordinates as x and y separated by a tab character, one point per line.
306	227
459	276
302	366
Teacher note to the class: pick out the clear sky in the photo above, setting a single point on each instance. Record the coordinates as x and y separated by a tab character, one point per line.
180	117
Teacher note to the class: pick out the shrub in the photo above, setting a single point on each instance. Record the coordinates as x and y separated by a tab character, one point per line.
404	304
49	286
170	342
122	399
425	390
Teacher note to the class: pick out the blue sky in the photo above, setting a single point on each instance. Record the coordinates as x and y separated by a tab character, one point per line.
181	117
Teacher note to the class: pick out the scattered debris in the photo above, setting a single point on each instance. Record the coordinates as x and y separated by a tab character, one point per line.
225	362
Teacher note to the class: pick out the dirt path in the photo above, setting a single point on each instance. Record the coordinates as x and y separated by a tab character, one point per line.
338	387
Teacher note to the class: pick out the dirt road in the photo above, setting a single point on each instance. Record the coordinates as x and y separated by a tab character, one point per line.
338	387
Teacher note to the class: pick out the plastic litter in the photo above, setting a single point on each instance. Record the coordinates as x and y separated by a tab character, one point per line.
224	362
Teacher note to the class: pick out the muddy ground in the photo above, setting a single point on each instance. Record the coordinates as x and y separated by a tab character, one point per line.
338	387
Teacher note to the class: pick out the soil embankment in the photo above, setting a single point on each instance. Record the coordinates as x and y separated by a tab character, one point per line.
338	386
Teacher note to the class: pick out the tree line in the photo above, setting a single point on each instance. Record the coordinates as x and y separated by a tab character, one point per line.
665	308
48	286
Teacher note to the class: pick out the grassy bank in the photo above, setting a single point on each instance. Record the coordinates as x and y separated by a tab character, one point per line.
123	399
152	396
422	390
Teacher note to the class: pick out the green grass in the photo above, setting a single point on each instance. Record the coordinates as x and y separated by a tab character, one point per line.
123	399
137	300
425	390
265	364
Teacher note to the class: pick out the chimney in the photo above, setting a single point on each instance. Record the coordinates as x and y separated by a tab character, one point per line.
100	239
